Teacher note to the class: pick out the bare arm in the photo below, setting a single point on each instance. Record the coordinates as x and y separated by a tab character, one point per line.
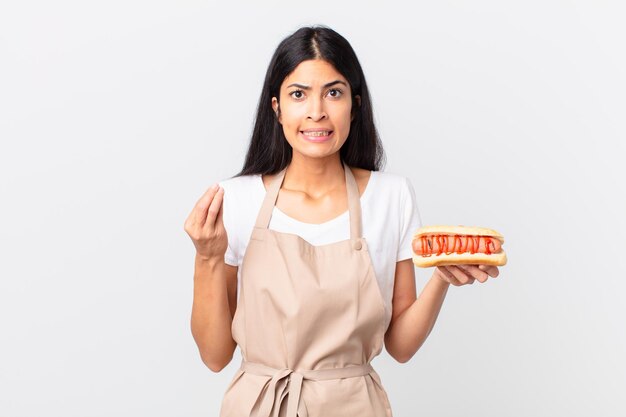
214	305
215	282
412	318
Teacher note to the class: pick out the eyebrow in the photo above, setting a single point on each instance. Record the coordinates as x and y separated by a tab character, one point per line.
306	87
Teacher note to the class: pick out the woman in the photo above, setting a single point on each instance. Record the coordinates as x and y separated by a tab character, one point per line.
304	257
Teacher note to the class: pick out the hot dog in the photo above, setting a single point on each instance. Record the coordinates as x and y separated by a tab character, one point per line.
453	245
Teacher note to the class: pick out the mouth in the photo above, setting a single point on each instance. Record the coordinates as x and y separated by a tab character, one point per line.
316	135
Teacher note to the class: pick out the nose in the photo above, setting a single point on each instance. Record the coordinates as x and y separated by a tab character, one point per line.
316	109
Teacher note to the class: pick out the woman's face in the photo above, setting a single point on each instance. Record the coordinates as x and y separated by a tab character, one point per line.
315	109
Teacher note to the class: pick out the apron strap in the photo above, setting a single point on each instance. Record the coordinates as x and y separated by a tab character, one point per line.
354	204
354	207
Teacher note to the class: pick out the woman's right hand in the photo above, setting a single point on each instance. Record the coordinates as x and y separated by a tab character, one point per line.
205	226
462	274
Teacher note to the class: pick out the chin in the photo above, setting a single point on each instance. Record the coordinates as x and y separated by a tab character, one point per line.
318	155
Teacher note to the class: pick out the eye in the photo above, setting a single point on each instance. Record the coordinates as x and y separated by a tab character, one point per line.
335	92
297	94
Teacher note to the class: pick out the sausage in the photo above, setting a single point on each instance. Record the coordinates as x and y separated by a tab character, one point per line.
427	245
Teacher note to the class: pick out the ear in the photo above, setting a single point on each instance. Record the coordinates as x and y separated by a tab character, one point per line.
276	108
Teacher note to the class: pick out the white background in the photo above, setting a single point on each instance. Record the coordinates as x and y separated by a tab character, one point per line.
116	116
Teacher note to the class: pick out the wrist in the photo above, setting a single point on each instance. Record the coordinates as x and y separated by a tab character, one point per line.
208	262
439	278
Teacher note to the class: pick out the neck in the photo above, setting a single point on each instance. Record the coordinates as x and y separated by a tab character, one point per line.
314	176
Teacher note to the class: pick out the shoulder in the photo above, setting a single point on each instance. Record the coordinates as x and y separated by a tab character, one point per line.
241	194
243	197
240	186
391	183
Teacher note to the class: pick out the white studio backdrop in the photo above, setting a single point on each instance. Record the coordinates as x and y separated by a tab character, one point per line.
116	116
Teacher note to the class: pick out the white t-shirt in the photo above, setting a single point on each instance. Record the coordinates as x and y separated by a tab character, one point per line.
389	218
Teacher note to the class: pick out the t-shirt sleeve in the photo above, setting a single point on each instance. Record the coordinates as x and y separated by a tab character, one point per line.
231	256
410	221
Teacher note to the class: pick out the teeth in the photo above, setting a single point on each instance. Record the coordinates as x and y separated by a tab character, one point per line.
325	133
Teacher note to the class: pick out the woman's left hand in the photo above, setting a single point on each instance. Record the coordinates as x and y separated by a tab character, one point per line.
458	275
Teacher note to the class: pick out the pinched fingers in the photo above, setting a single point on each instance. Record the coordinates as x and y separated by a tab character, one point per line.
199	212
199	215
214	209
205	224
219	222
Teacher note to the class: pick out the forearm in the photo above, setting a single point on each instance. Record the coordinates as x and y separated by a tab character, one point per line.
413	326
211	319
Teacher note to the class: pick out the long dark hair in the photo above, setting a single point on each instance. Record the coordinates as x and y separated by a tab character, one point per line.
269	151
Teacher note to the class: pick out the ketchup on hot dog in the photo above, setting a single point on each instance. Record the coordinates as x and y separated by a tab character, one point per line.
427	245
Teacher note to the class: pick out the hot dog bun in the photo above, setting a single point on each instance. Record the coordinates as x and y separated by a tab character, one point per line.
452	245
